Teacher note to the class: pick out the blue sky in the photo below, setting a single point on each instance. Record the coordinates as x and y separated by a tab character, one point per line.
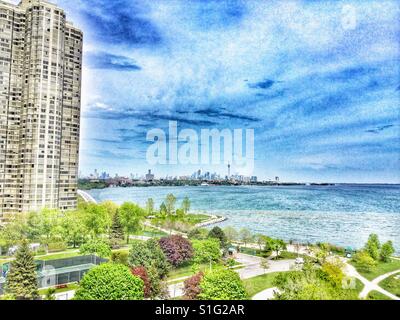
319	81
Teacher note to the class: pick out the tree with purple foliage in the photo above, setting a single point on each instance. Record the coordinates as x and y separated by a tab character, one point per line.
177	249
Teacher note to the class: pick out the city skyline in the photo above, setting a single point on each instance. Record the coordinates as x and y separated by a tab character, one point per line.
317	81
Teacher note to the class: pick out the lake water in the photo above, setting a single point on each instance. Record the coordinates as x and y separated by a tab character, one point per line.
344	214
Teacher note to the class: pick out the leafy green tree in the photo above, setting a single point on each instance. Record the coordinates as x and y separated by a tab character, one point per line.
73	227
333	271
364	262
96	247
231	234
206	250
21	281
387	251
170	202
150	206
110	282
217	233
186	205
265	265
149	254
163	210
275	245
260	240
222	284
373	246
198	234
96	219
245	236
116	231
111	208
131	216
15	230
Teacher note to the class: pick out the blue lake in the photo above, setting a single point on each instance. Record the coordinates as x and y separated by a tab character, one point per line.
343	214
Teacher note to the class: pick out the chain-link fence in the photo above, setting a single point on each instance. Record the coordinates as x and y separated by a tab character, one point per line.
58	272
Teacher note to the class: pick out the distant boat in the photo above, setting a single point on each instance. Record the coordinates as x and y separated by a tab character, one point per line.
204	184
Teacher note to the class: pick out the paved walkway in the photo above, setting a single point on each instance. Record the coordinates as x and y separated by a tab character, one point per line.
267	294
252	268
86	196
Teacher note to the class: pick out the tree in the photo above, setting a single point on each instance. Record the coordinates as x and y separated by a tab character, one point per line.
177	249
217	233
149	254
245	236
275	245
333	271
191	287
206	250
163	210
364	262
21	281
150	206
198	234
387	251
222	284
265	265
116	231
111	208
110	282
170	202
260	240
96	219
372	246
73	227
131	216
141	272
186	205
14	230
231	234
96	247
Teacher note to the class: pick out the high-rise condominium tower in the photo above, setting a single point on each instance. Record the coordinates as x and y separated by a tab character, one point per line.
40	98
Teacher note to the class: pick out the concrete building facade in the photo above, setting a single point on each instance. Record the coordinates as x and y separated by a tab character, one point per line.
40	99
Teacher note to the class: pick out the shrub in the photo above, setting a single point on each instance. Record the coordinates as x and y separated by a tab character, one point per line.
222	284
364	262
191	288
177	249
120	257
141	272
110	282
204	250
57	246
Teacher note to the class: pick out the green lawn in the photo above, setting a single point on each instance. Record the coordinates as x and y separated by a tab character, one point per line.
187	271
259	283
60	255
376	295
380	269
197	218
70	287
150	232
391	284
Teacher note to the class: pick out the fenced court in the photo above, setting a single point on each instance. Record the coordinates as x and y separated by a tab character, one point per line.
61	271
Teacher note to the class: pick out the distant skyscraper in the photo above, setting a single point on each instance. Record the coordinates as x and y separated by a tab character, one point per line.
229	170
40	98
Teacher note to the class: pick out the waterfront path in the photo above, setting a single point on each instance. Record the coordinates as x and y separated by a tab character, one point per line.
86	196
252	268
